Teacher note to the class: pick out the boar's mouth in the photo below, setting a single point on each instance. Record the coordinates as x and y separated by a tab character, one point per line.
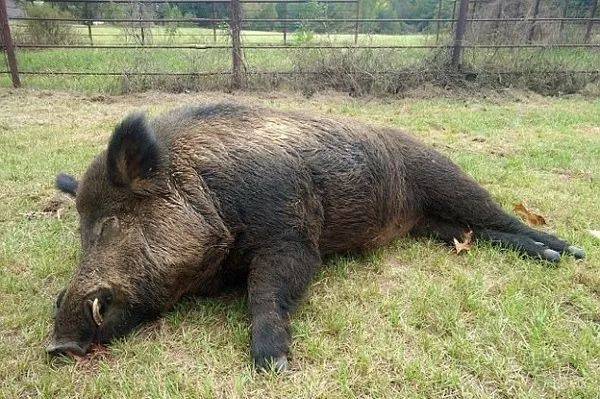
68	348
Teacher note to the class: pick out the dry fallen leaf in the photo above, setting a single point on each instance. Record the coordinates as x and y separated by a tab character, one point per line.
465	244
595	233
532	218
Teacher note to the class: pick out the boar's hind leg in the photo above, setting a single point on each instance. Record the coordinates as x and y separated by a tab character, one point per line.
519	237
521	243
278	278
439	230
451	203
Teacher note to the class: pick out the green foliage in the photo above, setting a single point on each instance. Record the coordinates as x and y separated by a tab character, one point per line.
47	32
266	11
113	11
172	12
305	32
312	9
303	36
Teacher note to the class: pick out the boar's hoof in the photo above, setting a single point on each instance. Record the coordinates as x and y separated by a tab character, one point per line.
551	255
278	364
577	253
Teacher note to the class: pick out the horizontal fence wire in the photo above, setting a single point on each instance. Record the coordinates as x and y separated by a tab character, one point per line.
304	20
286	26
202	1
201	74
304	47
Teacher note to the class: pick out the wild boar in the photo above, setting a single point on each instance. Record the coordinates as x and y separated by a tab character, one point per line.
182	204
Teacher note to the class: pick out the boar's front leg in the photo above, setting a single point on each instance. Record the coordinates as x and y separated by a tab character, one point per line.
278	278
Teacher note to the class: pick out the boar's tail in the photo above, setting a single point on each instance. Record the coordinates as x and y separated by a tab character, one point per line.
67	184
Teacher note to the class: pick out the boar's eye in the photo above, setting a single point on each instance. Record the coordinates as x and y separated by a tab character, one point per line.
59	299
107	228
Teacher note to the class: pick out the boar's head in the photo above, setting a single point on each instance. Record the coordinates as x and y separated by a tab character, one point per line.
149	234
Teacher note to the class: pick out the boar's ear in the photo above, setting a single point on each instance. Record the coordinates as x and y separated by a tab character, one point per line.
67	184
134	156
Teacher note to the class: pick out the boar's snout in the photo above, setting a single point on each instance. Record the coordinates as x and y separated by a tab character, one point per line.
83	316
65	349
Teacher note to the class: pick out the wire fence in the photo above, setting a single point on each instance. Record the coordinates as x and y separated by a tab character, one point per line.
456	26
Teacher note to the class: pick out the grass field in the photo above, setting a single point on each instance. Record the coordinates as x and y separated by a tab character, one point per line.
411	320
368	62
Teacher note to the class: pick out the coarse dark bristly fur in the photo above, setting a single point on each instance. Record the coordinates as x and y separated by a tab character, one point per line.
183	203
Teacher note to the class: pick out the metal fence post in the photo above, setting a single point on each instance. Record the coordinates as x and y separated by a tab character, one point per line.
236	43
141	25
459	32
356	23
89	26
453	15
8	44
473	8
214	22
563	15
285	15
536	10
89	23
439	15
496	26
588	31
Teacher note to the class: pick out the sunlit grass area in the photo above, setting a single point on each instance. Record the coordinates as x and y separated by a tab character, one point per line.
410	320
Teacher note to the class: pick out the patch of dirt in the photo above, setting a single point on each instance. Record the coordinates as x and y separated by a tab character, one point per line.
102	99
55	207
154	330
592	132
577	312
589	279
19	267
91	361
391	278
567	175
483	145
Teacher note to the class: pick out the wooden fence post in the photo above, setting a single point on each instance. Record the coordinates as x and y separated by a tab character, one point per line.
459	32
536	10
588	31
236	43
8	45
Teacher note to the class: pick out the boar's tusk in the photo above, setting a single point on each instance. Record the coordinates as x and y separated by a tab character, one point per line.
96	312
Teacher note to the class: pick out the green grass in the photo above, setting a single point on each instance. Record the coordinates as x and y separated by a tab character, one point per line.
410	320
